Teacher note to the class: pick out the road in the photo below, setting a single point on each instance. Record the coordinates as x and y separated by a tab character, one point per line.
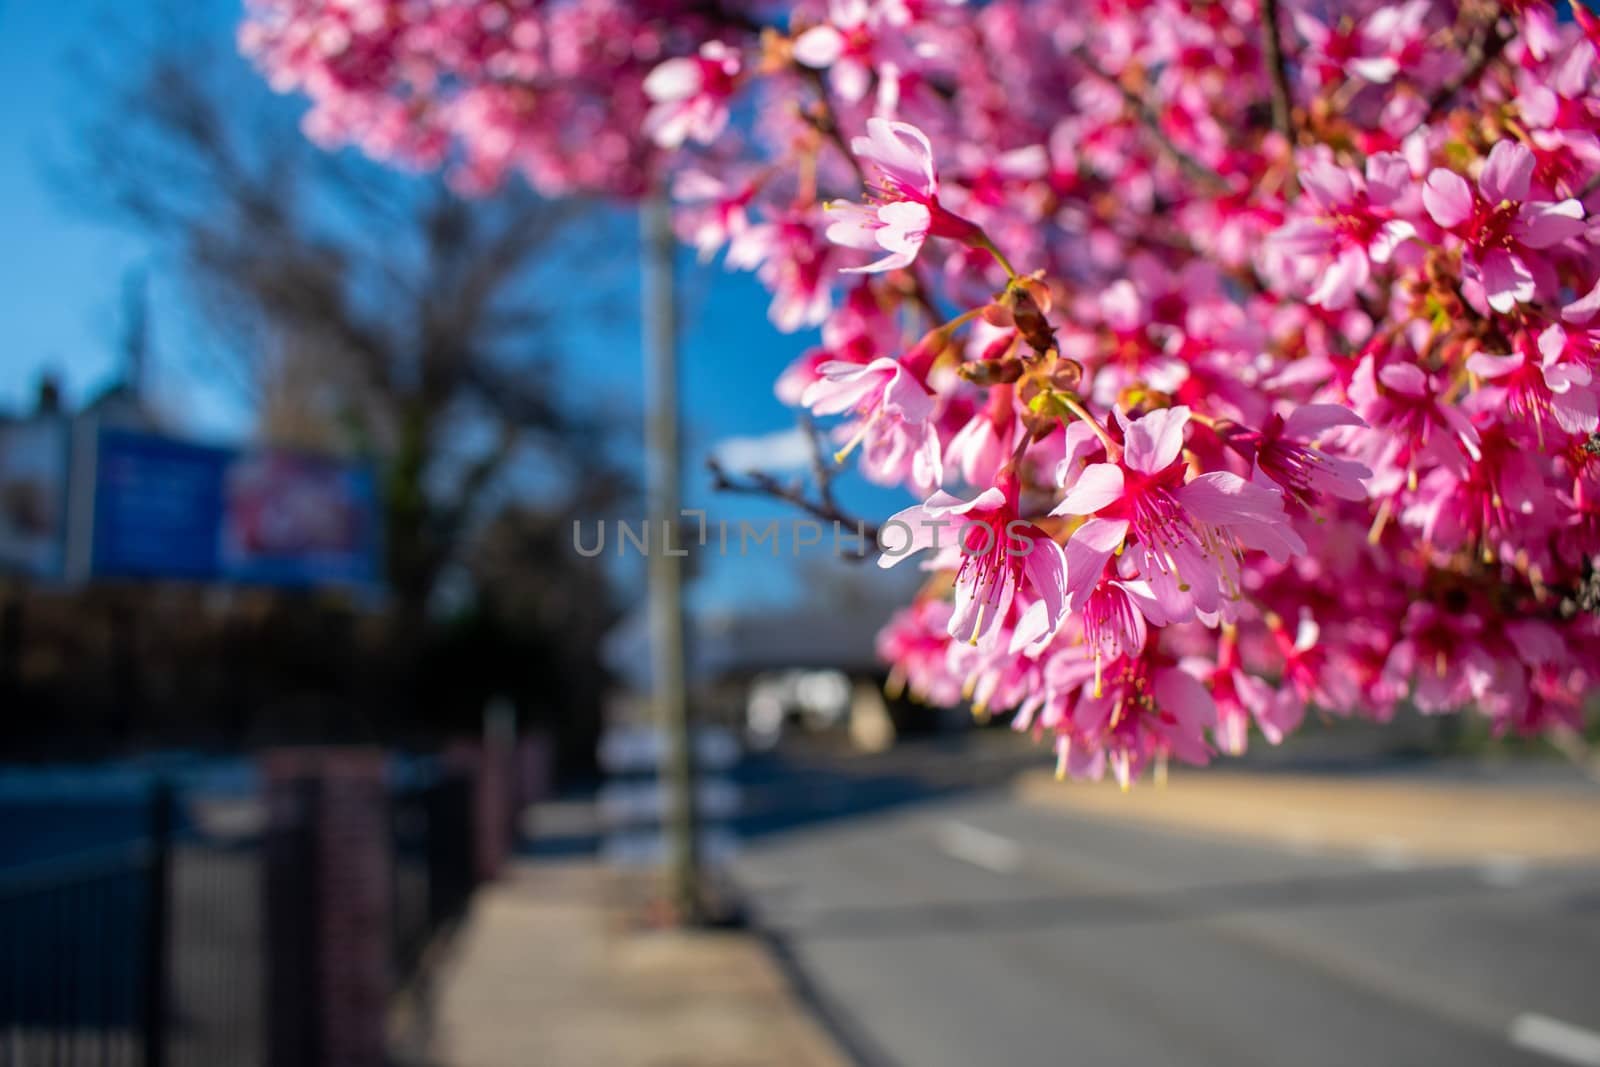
961	927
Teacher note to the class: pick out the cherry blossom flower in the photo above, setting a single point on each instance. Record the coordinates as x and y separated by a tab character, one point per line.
842	46
891	409
1362	306
905	210
1283	453
1503	230
1355	224
1000	554
691	95
1540	383
1375	49
1183	535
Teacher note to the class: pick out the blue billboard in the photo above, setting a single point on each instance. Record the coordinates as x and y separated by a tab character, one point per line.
165	508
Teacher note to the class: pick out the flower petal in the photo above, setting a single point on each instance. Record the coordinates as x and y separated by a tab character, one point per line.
819	47
1099	484
1086	553
1152	442
1507	281
1508	175
1448	198
1540	225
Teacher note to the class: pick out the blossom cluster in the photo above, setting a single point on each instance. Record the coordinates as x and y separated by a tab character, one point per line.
1247	347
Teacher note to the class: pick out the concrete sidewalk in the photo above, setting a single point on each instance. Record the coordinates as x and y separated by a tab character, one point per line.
547	973
1430	819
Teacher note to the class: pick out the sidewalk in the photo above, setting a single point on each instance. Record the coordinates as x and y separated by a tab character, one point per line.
547	973
1430	819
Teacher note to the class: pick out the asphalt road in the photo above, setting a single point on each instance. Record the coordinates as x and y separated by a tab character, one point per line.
959	927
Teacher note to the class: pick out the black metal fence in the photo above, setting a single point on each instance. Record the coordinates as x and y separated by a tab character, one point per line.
193	944
433	873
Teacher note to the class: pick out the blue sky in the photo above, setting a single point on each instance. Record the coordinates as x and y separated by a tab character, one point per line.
61	275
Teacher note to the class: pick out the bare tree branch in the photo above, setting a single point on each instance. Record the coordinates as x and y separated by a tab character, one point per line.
823	506
1277	70
1485	48
1147	117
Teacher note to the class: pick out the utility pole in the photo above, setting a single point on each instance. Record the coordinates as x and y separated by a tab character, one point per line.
667	657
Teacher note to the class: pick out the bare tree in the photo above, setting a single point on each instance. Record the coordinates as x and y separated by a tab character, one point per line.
364	311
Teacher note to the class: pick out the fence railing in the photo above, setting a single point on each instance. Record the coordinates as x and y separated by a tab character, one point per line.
193	946
432	827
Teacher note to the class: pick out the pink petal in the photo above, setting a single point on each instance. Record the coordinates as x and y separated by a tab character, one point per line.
1508	175
1507	281
1392	235
853	225
1151	443
1405	378
1100	484
675	79
1540	225
819	47
1046	568
1342	279
1329	184
908	532
1085	559
905	226
1585	308
1379	71
1448	198
1251	512
892	261
843	385
1310	421
901	151
1388	175
1485	365
1575	411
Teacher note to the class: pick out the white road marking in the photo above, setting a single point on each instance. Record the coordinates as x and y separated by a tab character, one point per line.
1556	1039
979	847
1503	870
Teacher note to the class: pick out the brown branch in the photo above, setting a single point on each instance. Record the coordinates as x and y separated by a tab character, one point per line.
1277	70
824	506
1485	49
1186	162
827	123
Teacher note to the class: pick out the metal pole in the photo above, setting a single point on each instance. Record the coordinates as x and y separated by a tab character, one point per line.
667	658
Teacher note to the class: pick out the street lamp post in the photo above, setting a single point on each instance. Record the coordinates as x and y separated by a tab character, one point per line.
668	670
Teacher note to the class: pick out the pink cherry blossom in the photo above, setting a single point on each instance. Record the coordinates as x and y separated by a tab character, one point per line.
1000	554
691	95
1354	225
1284	452
906	209
1353	304
1501	228
891	409
1182	535
1541	384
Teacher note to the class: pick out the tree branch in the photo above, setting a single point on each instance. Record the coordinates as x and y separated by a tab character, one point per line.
1277	71
1483	50
1186	162
825	507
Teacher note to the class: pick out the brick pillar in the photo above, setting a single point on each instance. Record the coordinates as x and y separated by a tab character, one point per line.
535	770
488	769
345	932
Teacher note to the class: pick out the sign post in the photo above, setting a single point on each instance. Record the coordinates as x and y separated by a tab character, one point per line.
667	657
